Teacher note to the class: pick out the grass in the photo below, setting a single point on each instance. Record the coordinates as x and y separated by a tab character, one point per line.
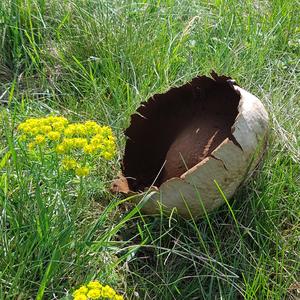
90	59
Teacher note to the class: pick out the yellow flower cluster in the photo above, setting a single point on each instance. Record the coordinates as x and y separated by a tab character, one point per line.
95	290
91	139
71	141
43	126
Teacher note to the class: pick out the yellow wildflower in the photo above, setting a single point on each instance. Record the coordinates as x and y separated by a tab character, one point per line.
109	143
33	131
42	122
70	130
32	122
68	143
45	129
53	135
90	149
39	139
82	290
80	129
78	139
107	155
58	126
108	292
94	285
69	163
63	120
97	139
80	297
72	143
82	171
75	129
118	297
21	126
31	145
26	128
94	294
80	142
90	124
60	149
92	127
46	120
58	119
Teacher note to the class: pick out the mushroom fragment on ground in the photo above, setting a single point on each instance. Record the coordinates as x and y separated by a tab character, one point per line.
183	144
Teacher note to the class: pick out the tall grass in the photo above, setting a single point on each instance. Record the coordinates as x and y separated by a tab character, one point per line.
92	59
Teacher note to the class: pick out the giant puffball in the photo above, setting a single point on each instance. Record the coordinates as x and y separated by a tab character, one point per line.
189	145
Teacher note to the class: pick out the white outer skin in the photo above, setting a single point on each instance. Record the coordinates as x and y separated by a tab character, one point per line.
195	191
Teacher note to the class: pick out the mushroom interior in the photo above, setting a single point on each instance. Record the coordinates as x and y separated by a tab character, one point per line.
174	131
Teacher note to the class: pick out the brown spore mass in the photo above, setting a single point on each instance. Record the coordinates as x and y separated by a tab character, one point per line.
172	132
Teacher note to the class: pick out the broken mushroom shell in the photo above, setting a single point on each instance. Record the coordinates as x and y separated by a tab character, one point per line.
190	143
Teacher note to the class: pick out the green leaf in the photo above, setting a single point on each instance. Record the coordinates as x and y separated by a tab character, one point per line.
4	159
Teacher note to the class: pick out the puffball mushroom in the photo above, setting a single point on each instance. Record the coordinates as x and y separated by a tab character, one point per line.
187	144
